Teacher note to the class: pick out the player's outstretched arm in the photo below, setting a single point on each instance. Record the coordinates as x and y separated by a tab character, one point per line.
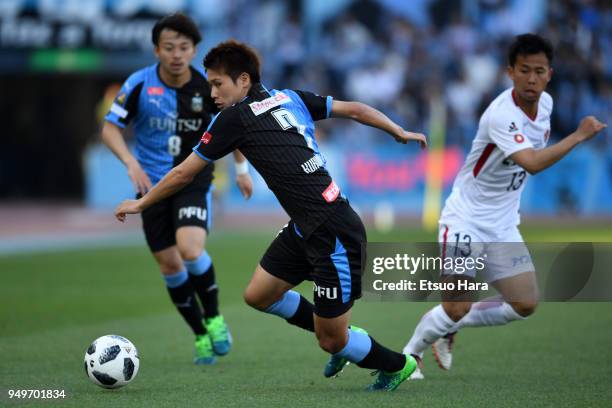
173	181
113	138
535	161
243	178
367	115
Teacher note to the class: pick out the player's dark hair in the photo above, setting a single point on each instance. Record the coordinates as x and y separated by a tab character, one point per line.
178	22
233	58
529	44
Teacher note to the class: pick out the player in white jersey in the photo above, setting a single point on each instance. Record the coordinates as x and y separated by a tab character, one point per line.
482	213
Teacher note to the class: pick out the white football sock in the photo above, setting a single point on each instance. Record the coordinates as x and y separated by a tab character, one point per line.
489	312
433	325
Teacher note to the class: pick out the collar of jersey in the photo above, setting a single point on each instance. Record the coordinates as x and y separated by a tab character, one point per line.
168	86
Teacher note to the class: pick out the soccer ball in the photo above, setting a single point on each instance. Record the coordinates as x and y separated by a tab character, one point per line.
111	361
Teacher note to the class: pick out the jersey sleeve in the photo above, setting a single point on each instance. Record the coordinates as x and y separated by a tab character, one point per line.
125	105
224	135
318	106
505	131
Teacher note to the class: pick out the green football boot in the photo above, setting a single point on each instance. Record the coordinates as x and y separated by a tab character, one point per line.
204	351
219	334
390	381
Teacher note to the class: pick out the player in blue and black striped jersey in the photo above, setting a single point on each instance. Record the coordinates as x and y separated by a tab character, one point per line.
322	242
169	106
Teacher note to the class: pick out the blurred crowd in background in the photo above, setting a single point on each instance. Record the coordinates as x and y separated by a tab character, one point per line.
62	62
399	55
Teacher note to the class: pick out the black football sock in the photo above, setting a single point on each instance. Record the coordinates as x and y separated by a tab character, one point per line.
381	358
303	316
202	274
295	309
183	296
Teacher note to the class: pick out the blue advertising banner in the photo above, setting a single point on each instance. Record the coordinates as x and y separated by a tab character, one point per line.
580	184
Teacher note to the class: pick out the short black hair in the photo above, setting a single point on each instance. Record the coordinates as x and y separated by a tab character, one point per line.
234	58
178	22
529	44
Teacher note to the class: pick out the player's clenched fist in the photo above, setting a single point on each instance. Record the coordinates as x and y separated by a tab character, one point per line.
127	207
589	127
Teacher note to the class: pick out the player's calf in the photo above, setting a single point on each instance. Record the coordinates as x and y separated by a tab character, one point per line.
202	274
456	310
524	308
336	363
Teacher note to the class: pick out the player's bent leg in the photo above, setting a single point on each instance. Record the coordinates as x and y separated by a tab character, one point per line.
524	308
456	310
332	337
336	363
358	347
272	295
264	289
332	333
434	325
518	299
183	296
521	292
442	348
190	241
433	330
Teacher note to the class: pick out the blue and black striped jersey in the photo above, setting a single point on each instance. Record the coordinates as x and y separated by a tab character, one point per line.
167	121
275	131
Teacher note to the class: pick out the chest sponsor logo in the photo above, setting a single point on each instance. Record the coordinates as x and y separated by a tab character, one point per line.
191	212
197	103
260	107
329	293
155	90
518	138
206	137
175	125
331	192
312	165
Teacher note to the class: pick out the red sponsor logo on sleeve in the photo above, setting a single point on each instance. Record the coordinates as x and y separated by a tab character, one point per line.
518	138
206	138
331	192
155	90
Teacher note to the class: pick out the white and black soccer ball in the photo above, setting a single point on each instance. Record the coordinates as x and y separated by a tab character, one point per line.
111	361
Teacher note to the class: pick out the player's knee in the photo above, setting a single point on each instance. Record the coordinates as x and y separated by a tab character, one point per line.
170	267
190	252
456	310
330	343
525	308
254	299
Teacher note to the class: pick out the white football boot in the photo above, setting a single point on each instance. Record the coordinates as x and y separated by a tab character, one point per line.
443	351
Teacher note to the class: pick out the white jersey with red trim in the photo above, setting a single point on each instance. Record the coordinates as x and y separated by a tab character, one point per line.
487	190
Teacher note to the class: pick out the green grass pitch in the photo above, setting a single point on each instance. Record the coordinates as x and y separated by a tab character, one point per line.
52	305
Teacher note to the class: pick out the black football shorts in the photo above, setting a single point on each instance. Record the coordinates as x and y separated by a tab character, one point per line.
191	206
331	257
